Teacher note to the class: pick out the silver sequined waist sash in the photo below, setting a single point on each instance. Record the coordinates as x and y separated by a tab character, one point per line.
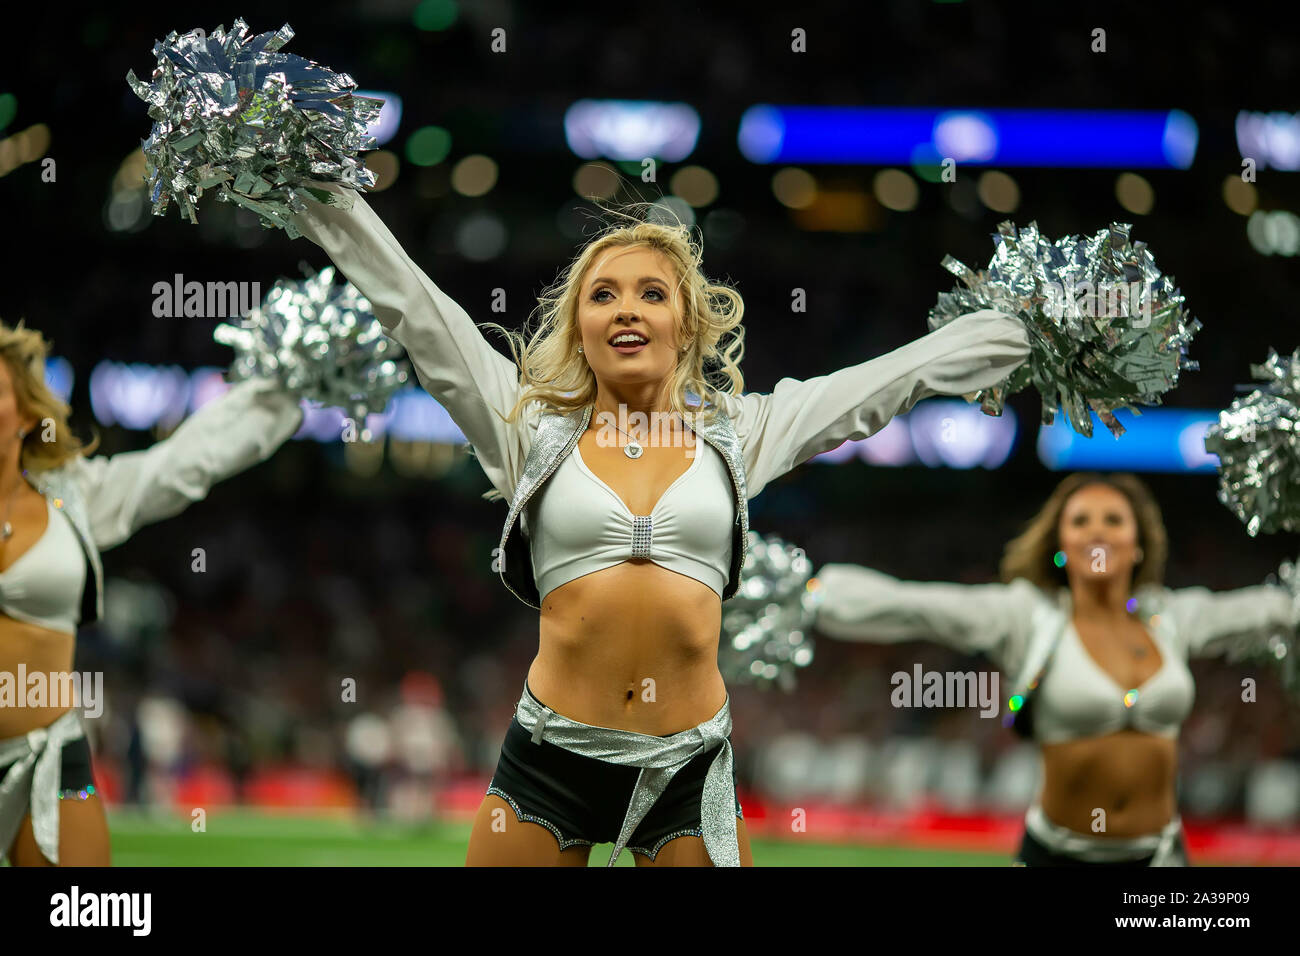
1099	849
659	759
32	780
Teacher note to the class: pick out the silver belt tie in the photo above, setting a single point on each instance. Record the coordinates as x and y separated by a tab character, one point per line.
1159	846
659	759
34	773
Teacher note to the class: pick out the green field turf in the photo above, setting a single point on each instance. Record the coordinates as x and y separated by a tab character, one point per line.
242	838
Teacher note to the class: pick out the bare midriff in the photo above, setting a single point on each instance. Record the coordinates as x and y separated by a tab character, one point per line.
633	646
38	649
1129	775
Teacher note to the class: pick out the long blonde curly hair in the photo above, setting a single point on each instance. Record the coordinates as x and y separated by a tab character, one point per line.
553	373
24	352
1029	555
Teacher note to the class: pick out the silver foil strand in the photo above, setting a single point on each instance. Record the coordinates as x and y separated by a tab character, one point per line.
766	626
236	115
321	340
1106	328
1257	439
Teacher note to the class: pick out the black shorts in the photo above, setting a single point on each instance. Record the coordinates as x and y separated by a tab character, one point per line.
1035	853
583	800
74	766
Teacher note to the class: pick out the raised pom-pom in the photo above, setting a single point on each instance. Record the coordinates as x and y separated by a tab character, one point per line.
322	342
1106	329
257	125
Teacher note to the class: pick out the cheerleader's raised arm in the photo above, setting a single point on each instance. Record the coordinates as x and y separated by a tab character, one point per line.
454	362
998	620
234	431
800	419
1235	623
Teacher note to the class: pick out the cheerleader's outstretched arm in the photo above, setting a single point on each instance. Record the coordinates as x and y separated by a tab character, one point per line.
233	432
1234	623
859	604
800	419
475	383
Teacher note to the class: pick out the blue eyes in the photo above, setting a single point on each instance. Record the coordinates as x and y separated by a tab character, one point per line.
596	296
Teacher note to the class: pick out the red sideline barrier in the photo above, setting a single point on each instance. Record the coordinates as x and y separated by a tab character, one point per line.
279	787
1208	842
1225	843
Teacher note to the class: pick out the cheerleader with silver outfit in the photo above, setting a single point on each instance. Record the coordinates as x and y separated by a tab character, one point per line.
61	509
628	542
1097	650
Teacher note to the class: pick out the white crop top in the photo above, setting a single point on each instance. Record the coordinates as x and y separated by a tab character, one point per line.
577	524
44	586
1015	625
1078	698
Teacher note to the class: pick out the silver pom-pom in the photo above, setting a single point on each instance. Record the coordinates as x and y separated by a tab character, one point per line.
323	343
256	124
1257	440
1279	650
1106	328
766	625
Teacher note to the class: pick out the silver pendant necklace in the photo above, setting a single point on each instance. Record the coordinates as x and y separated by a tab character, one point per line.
633	448
6	529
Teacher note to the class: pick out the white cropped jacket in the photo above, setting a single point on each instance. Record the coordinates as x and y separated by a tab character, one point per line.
1015	624
774	432
108	498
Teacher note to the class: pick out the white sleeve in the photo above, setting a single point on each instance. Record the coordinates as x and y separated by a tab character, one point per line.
1210	623
800	419
859	604
233	432
453	361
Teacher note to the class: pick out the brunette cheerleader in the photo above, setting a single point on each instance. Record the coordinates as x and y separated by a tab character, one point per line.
1096	650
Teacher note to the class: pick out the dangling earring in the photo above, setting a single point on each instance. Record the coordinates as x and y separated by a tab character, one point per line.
579	349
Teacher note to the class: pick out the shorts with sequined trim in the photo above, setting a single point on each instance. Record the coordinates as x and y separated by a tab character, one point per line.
1033	852
74	766
582	800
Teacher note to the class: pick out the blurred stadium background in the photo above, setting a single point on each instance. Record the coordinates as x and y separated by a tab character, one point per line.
373	561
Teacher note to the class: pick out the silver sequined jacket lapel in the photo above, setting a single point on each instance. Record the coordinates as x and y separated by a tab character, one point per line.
62	490
557	435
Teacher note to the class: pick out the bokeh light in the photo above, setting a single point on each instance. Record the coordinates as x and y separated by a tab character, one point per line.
1134	193
474	175
434	15
1241	197
428	146
896	190
794	188
998	191
695	184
